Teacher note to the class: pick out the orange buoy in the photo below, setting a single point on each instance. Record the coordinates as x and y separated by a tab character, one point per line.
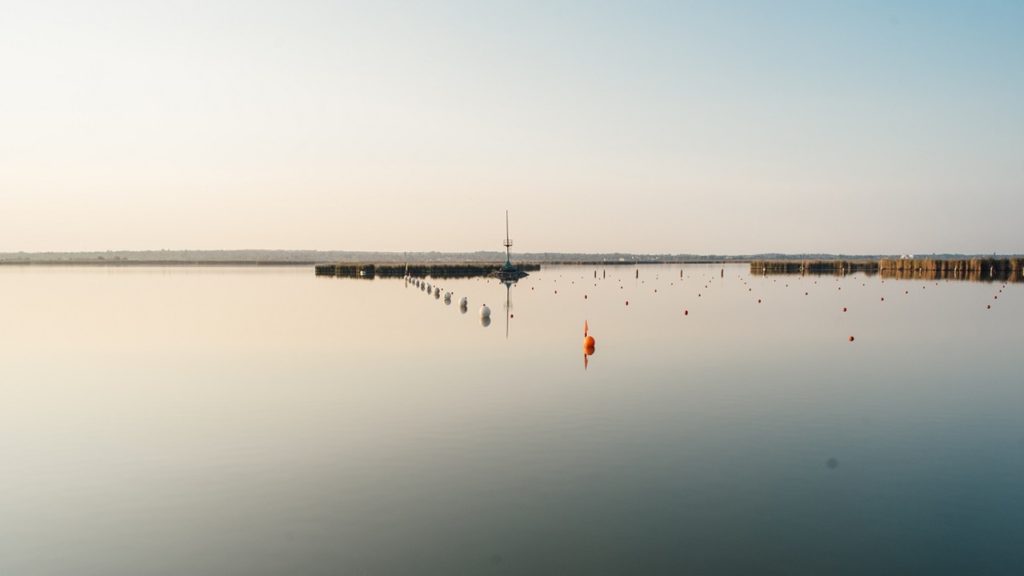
588	343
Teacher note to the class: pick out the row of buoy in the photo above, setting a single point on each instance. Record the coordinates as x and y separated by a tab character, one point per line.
485	311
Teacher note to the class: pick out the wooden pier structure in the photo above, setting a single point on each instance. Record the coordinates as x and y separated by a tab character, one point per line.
983	269
440	270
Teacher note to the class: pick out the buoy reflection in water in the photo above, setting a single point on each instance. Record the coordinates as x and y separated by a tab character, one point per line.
588	344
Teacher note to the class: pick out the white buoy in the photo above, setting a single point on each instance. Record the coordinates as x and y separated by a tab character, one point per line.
437	292
485	312
464	303
447	297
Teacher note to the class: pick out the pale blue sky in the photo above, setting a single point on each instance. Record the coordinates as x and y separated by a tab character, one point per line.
696	127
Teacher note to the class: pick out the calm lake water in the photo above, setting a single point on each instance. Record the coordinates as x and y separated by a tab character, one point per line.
170	421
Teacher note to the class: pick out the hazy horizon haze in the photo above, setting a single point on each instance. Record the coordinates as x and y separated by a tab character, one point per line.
650	127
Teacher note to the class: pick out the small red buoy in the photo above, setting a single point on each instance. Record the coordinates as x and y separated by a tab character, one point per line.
805	293
584	296
883	298
758	300
988	306
844	308
627	302
851	338
686	312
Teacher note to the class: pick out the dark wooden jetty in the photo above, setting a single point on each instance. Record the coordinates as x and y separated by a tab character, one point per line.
445	270
983	269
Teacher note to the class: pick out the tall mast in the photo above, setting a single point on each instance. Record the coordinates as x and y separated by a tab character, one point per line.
508	242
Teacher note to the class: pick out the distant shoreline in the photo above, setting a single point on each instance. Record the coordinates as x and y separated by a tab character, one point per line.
293	263
212	258
129	263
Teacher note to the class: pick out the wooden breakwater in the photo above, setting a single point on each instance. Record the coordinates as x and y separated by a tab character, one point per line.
813	266
445	270
984	269
961	269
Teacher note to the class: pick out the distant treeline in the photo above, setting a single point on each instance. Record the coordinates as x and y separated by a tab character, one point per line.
339	256
309	257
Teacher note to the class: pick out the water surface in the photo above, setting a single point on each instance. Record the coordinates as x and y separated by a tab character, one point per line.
265	421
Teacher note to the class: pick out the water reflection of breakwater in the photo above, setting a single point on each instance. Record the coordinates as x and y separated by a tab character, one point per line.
978	269
414	270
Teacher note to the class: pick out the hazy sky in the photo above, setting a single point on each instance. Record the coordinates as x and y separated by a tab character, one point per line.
697	127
